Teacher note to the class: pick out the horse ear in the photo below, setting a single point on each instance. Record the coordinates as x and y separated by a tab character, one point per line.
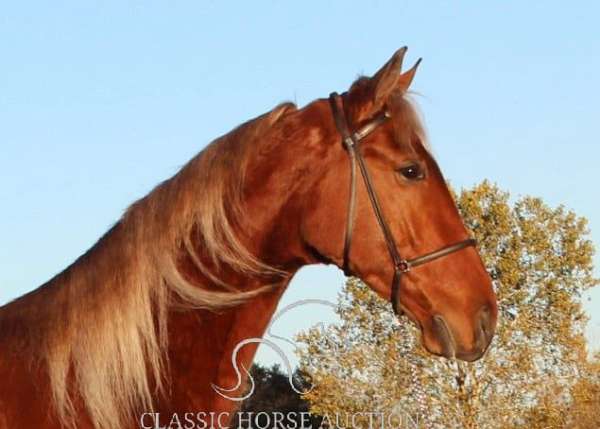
407	77
386	79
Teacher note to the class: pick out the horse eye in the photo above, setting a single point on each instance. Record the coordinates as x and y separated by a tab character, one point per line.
412	172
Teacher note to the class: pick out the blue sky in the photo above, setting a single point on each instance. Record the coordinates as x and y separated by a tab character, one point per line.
99	101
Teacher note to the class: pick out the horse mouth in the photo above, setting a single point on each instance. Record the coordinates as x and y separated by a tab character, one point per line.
444	342
439	330
449	347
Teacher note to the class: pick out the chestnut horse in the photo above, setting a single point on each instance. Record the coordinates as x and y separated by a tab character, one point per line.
147	319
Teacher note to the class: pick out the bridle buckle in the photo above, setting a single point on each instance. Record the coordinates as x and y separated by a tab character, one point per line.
349	142
403	266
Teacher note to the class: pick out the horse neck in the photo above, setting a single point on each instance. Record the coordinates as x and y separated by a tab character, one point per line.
201	346
201	342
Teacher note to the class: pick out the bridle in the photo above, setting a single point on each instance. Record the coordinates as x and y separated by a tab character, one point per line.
351	142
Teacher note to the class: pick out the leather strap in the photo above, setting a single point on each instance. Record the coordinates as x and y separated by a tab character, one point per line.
428	257
351	143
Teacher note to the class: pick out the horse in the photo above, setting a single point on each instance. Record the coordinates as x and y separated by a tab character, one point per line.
143	325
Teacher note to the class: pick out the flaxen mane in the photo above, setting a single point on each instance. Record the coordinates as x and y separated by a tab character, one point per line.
101	323
100	326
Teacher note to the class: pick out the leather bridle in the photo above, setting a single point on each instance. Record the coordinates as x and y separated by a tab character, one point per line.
351	142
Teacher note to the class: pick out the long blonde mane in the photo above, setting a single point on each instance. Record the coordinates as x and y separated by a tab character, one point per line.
100	325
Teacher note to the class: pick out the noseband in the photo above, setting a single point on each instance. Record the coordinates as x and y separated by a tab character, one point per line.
351	142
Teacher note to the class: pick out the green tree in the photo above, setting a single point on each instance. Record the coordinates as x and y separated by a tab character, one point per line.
274	395
540	260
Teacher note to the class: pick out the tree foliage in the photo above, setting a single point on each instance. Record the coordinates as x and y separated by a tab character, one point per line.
274	395
537	372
